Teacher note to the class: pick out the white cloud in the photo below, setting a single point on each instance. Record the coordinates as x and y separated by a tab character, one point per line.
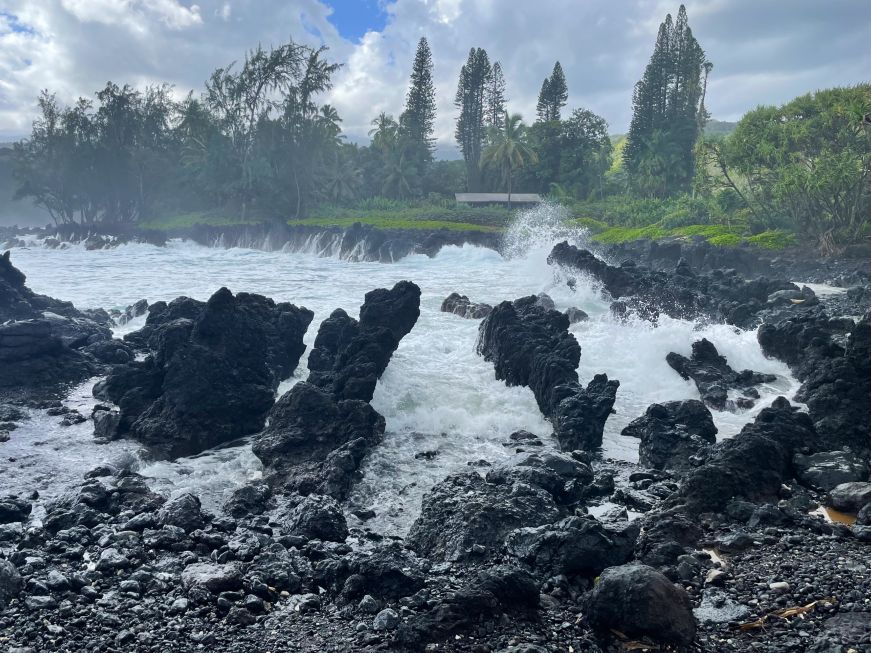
761	53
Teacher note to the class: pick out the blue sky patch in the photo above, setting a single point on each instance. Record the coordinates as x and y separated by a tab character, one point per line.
353	18
15	24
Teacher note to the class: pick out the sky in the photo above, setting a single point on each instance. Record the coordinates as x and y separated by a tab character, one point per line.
763	51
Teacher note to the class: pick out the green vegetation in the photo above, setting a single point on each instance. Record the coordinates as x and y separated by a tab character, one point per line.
257	145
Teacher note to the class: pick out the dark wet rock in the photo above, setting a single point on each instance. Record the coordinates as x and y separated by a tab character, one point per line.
14	509
314	444
679	293
850	497
107	423
666	537
754	464
387	619
574	546
825	470
674	435
531	346
320	430
863	517
110	352
133	311
18	302
250	499
490	592
712	375
834	370
387	571
464	307
805	296
10	582
31	356
717	607
563	477
576	315
213	577
209	380
315	517
350	356
464	516
638	601
183	511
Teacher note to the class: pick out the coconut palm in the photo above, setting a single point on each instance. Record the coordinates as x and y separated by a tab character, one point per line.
340	178
398	170
384	132
508	149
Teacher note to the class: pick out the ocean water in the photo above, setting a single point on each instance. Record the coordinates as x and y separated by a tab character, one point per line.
437	395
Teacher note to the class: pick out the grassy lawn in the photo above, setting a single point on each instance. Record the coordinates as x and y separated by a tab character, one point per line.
716	234
492	220
186	220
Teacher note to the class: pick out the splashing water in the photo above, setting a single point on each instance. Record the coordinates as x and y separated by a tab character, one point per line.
443	406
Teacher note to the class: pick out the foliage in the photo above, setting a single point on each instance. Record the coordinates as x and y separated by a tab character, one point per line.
508	149
110	162
470	131
553	95
418	118
494	97
809	160
668	109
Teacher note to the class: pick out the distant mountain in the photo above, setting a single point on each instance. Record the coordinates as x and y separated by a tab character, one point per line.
719	127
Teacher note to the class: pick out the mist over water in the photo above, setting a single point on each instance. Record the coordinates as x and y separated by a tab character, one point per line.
441	401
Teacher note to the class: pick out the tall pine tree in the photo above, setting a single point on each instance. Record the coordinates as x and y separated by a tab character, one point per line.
469	100
659	153
418	119
542	108
553	95
494	98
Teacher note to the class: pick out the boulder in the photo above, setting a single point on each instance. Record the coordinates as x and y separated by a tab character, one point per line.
213	577
563	477
314	444
315	517
850	497
32	357
250	499
210	379
753	465
530	345
640	602
464	307
183	511
712	375
10	582
673	435
13	509
464	516
573	546
825	470
576	315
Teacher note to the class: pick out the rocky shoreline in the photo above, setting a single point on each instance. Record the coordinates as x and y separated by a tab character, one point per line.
702	546
367	243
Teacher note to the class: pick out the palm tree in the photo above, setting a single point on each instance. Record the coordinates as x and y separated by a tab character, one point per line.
398	170
384	132
340	178
508	148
